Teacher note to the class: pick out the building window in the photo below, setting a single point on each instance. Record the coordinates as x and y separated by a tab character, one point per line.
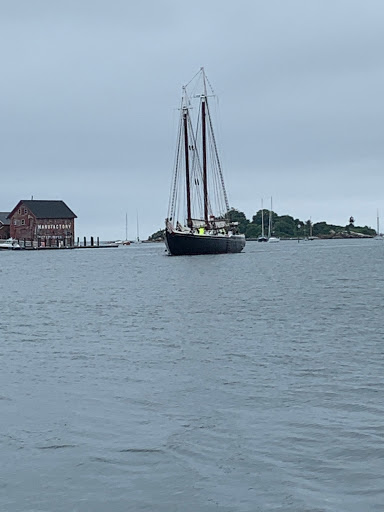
22	222
19	211
25	210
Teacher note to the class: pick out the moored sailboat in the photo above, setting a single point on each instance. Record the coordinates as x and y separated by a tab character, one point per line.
271	237
126	241
378	236
198	219
262	237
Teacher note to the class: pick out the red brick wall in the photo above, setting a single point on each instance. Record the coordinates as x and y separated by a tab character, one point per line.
24	225
55	229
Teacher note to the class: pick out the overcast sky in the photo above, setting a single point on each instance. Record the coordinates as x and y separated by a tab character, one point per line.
90	90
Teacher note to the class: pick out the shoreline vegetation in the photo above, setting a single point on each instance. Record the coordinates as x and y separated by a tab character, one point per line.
287	227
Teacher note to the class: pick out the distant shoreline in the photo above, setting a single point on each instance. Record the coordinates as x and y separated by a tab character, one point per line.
324	237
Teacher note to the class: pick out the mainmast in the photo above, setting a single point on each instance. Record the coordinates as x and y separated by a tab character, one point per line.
204	146
187	178
204	141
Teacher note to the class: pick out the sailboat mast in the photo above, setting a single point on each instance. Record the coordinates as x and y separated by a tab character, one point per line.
270	222
204	142
377	220
137	226
126	226
262	219
187	178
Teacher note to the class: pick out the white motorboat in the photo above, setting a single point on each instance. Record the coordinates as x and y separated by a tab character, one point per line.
9	243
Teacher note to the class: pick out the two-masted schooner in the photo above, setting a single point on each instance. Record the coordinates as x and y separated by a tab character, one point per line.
198	219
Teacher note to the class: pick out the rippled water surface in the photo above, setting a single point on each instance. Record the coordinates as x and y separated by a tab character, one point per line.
134	381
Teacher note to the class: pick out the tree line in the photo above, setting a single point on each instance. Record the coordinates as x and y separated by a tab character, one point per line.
285	226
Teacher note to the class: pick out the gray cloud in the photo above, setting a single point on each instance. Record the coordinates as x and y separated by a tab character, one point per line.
90	91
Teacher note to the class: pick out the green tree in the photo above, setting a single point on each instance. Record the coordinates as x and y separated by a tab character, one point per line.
284	226
321	228
308	227
283	229
159	235
237	216
365	230
253	231
260	217
256	219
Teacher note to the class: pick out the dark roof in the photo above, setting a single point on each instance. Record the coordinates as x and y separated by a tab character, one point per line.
3	218
46	209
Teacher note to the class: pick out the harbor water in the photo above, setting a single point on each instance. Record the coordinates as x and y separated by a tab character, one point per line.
135	381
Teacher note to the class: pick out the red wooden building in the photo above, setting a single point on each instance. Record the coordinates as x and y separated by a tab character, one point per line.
46	223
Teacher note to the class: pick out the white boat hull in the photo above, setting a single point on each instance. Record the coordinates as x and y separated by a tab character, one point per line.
9	244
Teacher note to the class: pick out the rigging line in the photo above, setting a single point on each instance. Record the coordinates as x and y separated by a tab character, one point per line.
174	183
195	162
218	160
192	79
209	83
197	187
198	200
171	206
215	182
186	99
212	180
175	179
214	186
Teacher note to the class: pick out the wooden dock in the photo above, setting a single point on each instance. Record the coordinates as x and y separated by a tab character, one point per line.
34	245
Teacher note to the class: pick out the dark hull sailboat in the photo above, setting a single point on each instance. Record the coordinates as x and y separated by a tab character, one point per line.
199	217
179	244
